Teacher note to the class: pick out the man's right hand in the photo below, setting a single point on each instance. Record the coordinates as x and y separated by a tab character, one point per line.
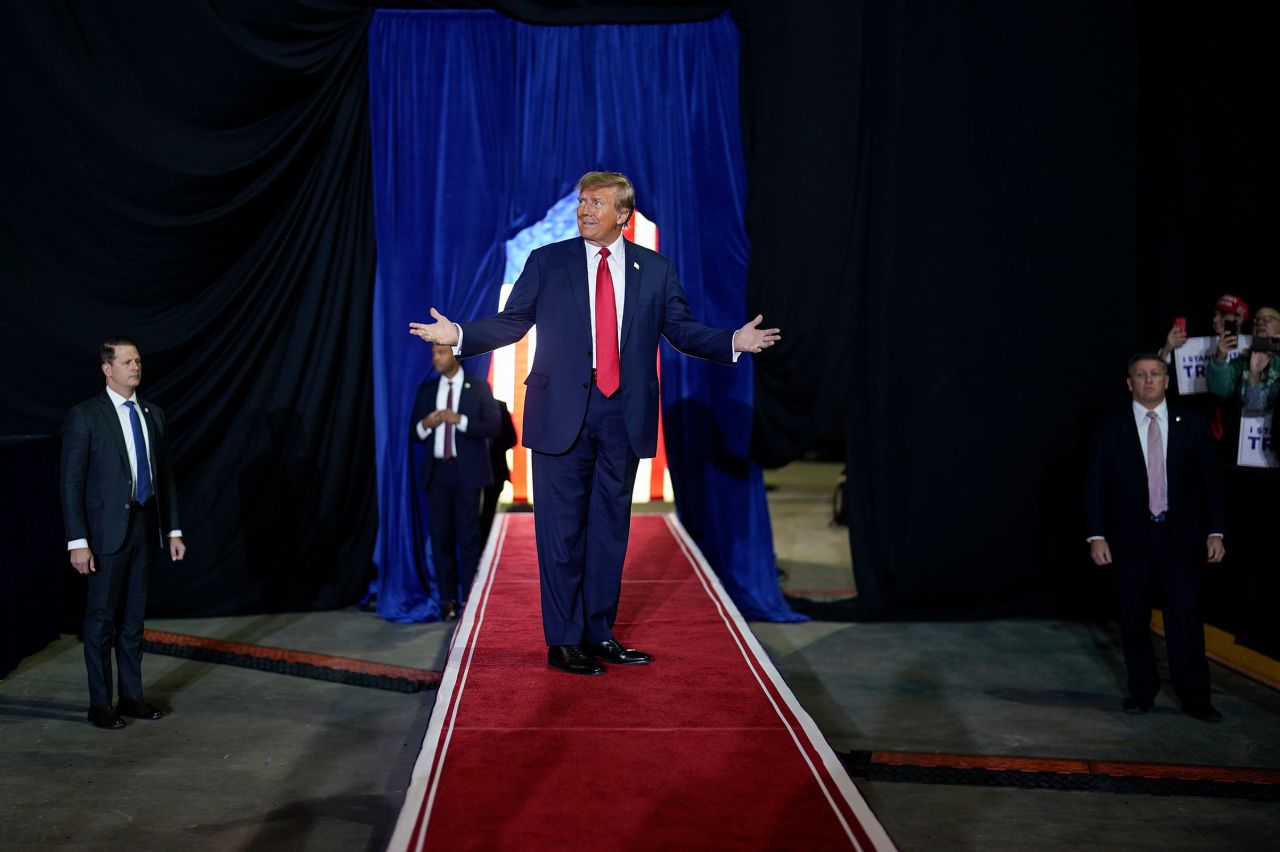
1226	343
440	331
1100	552
432	420
82	560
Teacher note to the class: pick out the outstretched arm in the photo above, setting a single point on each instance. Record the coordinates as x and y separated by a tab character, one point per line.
440	331
752	338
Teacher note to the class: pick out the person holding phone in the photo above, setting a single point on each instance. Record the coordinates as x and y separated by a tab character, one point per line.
1229	311
1255	374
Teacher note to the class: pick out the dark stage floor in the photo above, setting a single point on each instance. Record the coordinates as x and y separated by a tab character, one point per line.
253	760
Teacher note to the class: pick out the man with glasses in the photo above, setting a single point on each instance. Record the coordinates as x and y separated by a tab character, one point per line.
1154	515
1254	376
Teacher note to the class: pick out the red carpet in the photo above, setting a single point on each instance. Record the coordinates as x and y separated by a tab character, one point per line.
706	748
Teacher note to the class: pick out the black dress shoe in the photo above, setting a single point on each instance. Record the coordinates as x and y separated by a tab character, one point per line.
1136	707
611	652
105	716
1204	712
451	611
136	708
569	658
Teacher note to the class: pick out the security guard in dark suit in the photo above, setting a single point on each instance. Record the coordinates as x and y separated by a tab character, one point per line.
118	496
456	417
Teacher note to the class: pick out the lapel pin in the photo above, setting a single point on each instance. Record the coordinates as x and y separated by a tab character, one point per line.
636	265
1177	420
466	385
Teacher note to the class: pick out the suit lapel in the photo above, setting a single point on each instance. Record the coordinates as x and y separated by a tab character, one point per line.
1175	438
576	266
153	434
111	421
630	298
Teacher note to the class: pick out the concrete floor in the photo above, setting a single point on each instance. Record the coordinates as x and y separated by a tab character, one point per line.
250	760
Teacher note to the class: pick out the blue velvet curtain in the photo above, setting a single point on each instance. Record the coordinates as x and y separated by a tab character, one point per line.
480	124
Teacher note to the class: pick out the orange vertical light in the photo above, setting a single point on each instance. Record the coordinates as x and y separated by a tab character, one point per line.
519	461
658	467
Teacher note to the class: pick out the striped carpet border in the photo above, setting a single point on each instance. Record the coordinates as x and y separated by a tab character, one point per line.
1103	776
286	661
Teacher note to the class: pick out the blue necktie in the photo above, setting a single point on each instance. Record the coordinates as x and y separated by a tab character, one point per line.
140	453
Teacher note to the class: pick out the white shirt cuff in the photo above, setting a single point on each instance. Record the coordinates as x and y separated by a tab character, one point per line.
80	542
457	349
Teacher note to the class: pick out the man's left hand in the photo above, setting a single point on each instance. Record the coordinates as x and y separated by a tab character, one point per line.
177	549
1216	548
751	338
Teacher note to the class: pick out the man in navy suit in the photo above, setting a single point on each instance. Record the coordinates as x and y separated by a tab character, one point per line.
1154	514
456	417
117	496
591	404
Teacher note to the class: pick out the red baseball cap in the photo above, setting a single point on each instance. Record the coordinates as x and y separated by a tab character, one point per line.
1230	304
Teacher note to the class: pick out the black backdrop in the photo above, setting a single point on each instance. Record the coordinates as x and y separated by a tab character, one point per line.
197	176
944	216
962	220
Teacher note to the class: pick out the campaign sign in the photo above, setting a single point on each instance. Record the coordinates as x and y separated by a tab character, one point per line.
1257	443
1189	360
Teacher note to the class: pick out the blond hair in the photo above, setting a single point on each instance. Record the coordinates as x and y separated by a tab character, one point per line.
626	197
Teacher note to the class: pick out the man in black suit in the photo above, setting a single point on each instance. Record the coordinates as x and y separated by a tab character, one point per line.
506	440
118	495
1154	513
456	417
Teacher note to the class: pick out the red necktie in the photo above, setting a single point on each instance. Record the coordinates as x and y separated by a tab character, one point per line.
448	427
607	372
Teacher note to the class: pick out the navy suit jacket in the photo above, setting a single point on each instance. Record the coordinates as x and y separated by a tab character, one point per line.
1116	501
97	482
476	402
552	292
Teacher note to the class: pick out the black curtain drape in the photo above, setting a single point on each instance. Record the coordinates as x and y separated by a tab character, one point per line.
942	216
946	212
1207	189
197	176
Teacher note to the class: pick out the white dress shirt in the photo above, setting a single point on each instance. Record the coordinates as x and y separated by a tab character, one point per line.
442	397
126	426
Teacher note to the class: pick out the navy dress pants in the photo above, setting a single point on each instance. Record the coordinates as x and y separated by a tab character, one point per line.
582	518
